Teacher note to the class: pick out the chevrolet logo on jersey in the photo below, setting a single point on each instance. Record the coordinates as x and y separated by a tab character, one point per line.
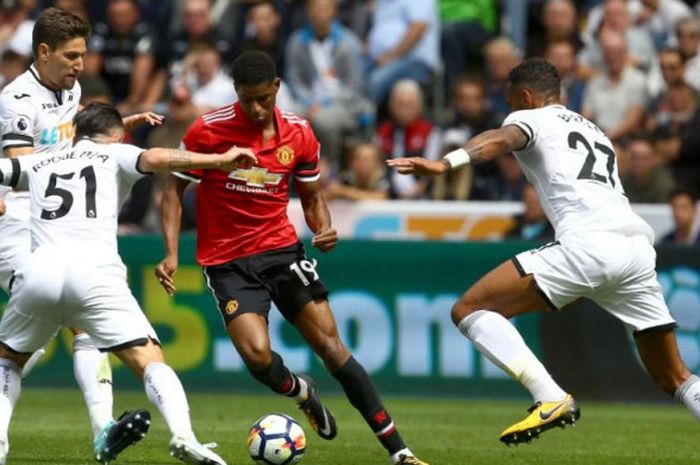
256	177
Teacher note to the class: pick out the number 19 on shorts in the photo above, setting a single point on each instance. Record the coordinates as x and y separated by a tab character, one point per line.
305	269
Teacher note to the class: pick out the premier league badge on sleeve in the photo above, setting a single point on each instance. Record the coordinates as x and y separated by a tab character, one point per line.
21	124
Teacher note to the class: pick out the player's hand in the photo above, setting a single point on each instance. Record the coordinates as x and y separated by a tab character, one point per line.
418	165
138	119
165	273
238	157
325	240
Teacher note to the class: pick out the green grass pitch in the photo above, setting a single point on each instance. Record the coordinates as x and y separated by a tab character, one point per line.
51	427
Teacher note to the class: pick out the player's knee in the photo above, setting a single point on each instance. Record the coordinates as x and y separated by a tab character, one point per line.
255	356
461	309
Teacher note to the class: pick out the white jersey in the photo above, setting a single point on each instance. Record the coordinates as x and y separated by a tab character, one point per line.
571	163
32	115
76	194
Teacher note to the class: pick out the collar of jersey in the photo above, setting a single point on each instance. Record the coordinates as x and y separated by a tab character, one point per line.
35	73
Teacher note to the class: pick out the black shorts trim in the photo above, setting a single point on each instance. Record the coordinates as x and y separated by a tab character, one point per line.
518	267
657	329
10	349
142	341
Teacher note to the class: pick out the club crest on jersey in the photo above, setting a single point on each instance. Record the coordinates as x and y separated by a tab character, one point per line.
231	307
256	177
285	155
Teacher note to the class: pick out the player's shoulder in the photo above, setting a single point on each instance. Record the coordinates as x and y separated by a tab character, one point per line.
293	123
218	116
20	91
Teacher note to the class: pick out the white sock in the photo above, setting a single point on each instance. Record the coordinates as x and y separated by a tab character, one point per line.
497	339
94	376
165	391
395	458
688	394
10	387
303	393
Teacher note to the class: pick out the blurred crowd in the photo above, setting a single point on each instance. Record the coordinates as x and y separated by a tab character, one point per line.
388	78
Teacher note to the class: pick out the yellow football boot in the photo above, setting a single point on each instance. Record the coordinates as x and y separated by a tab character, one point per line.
542	416
410	460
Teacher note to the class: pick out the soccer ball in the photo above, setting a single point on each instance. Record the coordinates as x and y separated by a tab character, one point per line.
276	439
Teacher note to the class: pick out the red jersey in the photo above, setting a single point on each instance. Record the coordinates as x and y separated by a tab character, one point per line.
244	212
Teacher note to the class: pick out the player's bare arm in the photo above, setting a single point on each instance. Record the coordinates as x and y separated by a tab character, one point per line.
170	222
161	159
317	216
481	148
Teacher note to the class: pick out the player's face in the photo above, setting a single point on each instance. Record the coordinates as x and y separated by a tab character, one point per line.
64	64
258	101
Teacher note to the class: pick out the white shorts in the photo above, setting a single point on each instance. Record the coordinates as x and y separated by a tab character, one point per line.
56	288
15	248
615	271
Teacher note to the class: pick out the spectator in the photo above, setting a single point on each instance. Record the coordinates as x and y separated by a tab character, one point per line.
121	51
172	50
646	179
531	224
12	64
455	184
324	73
616	18
559	22
402	44
94	89
659	18
506	184
203	85
263	33
669	72
688	37
16	28
365	178
408	134
77	7
466	27
471	116
501	56
678	135
685	212
616	99
563	56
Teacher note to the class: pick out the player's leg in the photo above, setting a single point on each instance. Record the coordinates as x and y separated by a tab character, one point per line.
11	364
94	376
659	352
316	324
244	303
165	391
482	314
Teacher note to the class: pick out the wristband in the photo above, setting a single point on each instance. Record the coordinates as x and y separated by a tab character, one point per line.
457	158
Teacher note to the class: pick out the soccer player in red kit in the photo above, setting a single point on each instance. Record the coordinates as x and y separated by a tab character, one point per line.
251	254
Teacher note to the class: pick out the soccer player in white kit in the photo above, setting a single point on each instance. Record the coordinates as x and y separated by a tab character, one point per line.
603	251
36	114
74	275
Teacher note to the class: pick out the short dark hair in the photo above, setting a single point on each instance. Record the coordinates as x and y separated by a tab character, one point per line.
684	191
539	75
97	119
252	68
55	26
